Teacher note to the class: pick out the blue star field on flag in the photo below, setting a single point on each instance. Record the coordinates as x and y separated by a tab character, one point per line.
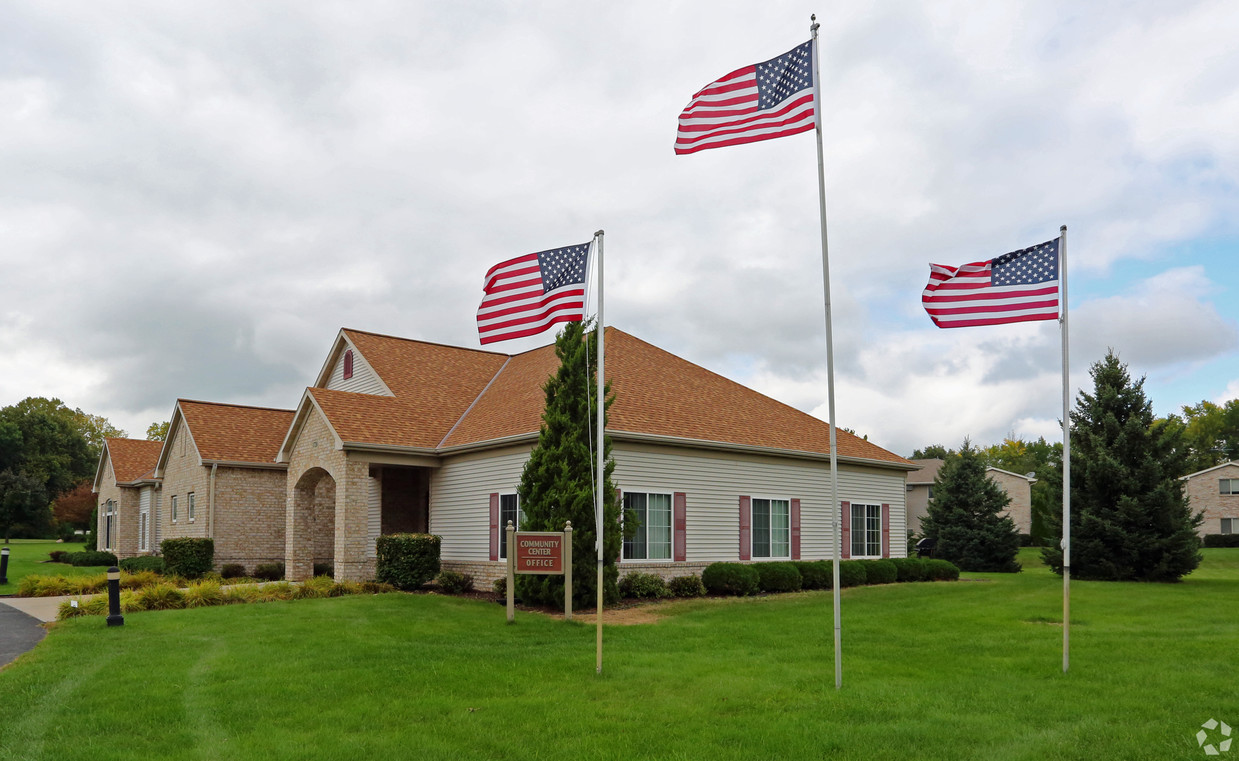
780	77
1036	264
563	266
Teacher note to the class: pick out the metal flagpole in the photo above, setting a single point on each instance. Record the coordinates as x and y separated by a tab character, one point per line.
830	357
601	482
1062	294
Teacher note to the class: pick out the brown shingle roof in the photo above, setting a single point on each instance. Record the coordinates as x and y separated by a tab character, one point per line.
483	396
234	432
133	459
927	473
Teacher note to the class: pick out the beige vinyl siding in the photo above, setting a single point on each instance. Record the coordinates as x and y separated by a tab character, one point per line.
364	381
374	514
714	481
460	499
145	518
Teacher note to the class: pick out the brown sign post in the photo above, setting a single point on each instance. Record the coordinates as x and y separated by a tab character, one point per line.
540	552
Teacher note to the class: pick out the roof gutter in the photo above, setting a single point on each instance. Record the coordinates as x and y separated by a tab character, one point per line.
722	446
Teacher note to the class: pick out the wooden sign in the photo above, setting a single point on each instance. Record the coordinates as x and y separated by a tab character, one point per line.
540	552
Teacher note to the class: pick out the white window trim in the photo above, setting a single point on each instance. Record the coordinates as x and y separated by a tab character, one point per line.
852	523
172	507
753	547
189	507
663	492
503	525
1230	485
1234	524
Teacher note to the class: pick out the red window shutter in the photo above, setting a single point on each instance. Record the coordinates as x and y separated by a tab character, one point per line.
494	526
679	527
619	501
846	526
886	531
795	529
746	525
348	364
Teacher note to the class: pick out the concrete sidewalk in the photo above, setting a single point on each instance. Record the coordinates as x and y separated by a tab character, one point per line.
42	608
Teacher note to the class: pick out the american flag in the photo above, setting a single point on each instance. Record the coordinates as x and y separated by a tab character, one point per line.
1017	287
759	102
528	294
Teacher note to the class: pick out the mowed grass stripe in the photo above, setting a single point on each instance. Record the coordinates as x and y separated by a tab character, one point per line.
963	670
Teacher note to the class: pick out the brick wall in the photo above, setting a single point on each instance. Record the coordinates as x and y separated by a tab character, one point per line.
319	476
1204	495
1020	492
182	476
249	516
125	524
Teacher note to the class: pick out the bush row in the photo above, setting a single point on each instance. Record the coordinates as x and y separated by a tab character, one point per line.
84	558
742	579
407	561
187	556
165	596
1222	540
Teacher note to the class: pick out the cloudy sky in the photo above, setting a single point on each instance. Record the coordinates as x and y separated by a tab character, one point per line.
194	198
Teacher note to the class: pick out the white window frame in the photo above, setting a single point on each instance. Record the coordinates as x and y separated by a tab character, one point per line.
643	526
109	524
1229	526
189	508
503	522
865	530
769	528
1228	486
172	507
143	527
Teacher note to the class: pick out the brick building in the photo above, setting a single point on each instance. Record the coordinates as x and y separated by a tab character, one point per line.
1215	492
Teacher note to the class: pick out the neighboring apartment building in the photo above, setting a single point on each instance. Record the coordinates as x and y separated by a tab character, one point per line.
128	495
220	479
1215	492
1017	487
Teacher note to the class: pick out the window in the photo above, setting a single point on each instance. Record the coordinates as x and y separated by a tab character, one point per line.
109	511
1229	525
172	505
866	531
509	510
772	528
1229	485
142	544
189	511
348	368
651	540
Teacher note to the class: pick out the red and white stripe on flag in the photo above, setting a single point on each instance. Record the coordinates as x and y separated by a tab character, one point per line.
1018	287
518	303
758	102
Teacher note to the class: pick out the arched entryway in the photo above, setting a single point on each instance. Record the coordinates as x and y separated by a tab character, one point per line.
312	534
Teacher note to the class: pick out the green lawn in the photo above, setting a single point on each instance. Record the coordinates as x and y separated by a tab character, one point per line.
29	556
965	670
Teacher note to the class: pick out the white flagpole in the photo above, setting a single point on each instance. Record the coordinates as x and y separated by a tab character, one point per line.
830	359
1062	294
601	482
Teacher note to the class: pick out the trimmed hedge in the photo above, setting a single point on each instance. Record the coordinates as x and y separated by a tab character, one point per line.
937	569
880	572
909	569
143	563
778	577
408	561
852	573
686	586
269	571
815	574
731	579
454	583
232	571
1222	540
89	558
324	569
644	586
187	556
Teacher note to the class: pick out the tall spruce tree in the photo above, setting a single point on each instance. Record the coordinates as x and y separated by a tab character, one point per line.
557	483
1130	520
964	517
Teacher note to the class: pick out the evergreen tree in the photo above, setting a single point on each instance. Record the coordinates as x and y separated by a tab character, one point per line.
1129	517
964	517
557	483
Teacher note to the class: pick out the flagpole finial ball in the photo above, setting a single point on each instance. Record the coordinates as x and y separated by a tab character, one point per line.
1063	229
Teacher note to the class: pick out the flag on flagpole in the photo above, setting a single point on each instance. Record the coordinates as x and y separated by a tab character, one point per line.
758	102
1021	286
526	295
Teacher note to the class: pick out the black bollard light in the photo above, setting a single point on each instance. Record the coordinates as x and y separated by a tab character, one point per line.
4	566
114	616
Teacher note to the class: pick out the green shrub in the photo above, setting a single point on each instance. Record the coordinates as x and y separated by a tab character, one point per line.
232	571
57	556
909	569
1222	540
880	572
376	588
731	579
501	589
324	569
407	561
686	586
143	563
778	577
852	573
815	574
89	558
644	586
161	597
454	583
187	556
937	569
269	571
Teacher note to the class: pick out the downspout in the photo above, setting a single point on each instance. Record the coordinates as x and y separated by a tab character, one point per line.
211	506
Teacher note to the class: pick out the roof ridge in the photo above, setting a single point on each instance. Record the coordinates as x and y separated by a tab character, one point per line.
424	343
473	404
230	404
